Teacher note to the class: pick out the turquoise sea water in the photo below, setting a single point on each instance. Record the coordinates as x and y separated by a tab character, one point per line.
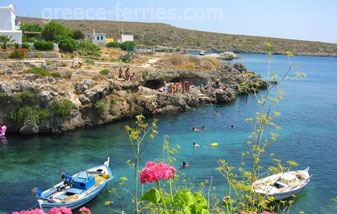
308	136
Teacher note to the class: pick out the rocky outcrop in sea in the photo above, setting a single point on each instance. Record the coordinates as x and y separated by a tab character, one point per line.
32	104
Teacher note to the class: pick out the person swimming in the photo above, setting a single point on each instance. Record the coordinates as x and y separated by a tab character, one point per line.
195	144
195	129
216	112
232	126
203	128
184	164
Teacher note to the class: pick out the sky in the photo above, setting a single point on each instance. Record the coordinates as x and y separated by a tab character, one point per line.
294	19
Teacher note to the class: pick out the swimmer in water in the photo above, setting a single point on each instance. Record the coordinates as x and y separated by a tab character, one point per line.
195	144
216	112
232	127
184	164
203	128
195	129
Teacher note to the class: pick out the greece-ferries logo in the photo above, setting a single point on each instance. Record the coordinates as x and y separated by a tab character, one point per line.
118	12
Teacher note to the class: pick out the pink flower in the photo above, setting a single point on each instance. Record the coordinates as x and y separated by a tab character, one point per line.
36	211
62	210
85	210
266	212
155	172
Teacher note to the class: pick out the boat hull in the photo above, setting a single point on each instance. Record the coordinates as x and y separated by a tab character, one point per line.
285	195
73	205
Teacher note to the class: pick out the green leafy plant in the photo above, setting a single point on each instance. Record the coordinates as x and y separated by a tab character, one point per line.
67	44
5	41
52	30
104	72
17	54
88	49
25	45
38	71
100	107
44	46
125	58
90	61
77	34
28	114
128	46
139	137
113	45
62	108
56	75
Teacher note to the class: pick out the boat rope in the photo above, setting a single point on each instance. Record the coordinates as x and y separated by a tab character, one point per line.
34	206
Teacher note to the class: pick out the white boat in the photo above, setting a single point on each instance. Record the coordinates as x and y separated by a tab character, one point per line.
77	190
202	53
282	185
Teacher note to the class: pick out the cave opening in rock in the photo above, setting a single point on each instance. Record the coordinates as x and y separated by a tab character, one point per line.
154	84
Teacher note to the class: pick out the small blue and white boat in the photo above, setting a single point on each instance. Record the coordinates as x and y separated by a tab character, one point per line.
77	190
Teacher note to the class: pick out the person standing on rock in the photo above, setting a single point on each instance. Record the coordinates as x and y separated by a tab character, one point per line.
217	84
120	73
127	74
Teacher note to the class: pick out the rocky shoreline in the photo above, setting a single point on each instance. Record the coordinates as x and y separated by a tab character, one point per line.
96	99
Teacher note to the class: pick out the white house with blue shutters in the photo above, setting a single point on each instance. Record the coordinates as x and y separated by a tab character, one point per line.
99	38
9	25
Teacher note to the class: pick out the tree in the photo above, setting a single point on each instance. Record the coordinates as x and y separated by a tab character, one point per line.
5	41
31	28
67	44
128	46
77	34
52	30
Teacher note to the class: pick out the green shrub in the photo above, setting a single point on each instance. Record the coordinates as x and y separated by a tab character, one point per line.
67	44
25	97
88	49
25	45
125	58
113	100
113	45
100	107
128	46
51	30
77	34
90	61
104	72
56	75
62	108
43	114
43	46
144	76
30	27
28	114
17	54
39	71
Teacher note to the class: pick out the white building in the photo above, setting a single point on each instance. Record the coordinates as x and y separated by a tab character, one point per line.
98	38
9	25
126	38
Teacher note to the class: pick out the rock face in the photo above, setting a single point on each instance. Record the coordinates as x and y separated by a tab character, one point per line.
120	99
228	56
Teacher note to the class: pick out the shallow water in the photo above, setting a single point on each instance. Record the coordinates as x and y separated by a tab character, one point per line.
308	137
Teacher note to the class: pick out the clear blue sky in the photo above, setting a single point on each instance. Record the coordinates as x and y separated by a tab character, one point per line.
314	20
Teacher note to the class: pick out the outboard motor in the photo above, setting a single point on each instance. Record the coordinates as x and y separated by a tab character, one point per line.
67	179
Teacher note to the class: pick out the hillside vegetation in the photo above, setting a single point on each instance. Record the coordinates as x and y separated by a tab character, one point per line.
164	35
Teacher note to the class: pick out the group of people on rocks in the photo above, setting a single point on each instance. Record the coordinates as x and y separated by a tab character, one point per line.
130	76
177	87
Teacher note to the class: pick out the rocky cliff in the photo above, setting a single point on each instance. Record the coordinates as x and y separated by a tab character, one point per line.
32	103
